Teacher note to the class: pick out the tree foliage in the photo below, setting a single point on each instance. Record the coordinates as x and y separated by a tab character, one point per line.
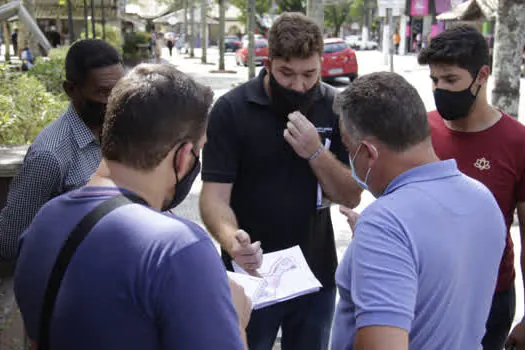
336	14
261	7
291	6
357	9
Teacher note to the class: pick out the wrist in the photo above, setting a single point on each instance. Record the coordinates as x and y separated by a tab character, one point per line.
316	154
230	244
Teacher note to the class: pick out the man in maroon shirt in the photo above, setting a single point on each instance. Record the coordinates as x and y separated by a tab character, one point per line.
488	145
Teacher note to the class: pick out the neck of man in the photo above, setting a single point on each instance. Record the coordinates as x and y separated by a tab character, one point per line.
481	117
401	162
96	133
266	83
113	174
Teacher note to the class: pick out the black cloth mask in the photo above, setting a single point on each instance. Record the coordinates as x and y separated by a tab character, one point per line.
93	113
454	105
286	101
183	185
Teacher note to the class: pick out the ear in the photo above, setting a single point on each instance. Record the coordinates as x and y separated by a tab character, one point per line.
483	75
180	161
267	65
70	89
371	151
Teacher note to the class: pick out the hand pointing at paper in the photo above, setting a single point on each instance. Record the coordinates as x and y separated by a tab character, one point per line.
245	253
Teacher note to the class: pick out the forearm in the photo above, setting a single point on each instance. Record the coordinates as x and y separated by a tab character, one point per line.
522	257
219	219
243	337
20	209
336	180
521	221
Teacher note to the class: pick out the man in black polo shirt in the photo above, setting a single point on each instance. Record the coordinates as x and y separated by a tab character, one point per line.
266	152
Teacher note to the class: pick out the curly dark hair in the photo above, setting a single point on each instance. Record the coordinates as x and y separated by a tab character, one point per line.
463	46
87	55
293	35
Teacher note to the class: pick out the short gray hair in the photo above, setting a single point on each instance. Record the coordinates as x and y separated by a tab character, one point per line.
385	106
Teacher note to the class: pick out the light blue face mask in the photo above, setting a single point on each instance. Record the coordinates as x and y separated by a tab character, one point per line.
360	182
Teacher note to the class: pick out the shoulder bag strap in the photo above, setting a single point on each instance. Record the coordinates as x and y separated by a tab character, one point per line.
67	251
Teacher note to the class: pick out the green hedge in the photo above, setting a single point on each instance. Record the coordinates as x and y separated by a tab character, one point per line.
130	49
51	71
25	107
29	101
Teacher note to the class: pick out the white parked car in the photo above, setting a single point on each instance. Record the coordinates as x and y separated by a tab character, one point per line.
353	41
357	42
368	45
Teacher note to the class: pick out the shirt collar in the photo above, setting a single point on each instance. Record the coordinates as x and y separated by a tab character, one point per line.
81	133
427	172
257	94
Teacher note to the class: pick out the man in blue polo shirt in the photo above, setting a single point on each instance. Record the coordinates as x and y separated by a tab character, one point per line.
140	279
421	270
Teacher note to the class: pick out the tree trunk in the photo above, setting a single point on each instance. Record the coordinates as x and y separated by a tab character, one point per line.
508	48
251	41
70	22
185	19
192	28
93	29
204	30
86	25
222	29
103	19
7	41
25	37
315	10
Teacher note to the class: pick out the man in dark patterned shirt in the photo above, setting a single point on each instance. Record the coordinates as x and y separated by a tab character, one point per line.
67	152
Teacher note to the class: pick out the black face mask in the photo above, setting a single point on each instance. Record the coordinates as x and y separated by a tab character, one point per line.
454	105
286	101
92	113
183	186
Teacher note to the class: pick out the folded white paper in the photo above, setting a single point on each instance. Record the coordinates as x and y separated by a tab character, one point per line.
285	275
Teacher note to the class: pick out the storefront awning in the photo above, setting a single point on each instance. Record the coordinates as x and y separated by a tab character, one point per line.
176	17
471	10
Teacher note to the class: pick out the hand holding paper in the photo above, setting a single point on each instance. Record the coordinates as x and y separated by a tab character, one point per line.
246	254
285	275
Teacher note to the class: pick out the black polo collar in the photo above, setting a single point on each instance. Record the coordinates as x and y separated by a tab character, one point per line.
257	94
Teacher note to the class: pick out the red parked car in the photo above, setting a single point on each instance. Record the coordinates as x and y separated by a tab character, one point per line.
338	60
261	53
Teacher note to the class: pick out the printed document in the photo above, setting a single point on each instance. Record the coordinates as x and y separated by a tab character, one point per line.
284	275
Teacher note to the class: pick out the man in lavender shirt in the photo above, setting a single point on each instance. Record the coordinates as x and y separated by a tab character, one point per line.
421	270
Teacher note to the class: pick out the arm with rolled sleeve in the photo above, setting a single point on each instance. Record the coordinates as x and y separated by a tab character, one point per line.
194	302
36	183
384	283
